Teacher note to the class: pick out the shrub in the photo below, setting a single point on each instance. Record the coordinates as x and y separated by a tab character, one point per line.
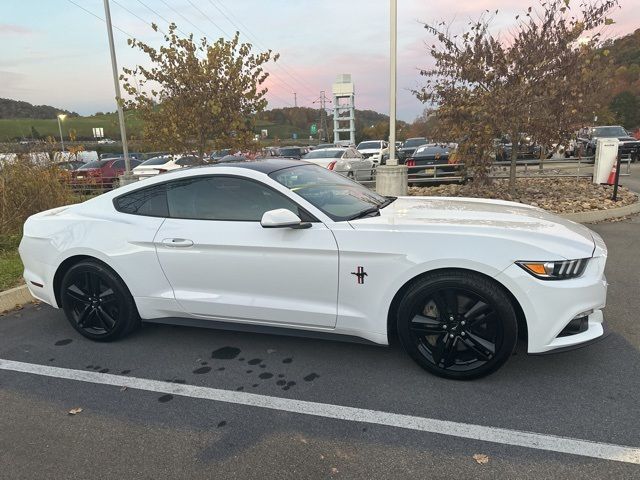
27	188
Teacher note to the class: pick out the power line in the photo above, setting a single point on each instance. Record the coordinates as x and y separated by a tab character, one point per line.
252	37
139	17
207	17
101	19
160	16
185	18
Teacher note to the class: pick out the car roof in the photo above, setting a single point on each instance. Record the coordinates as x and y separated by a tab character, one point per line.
267	165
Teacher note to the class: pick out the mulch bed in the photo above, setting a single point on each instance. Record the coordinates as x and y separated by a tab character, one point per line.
559	195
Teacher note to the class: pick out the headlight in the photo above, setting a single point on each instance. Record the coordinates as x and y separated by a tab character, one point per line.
560	270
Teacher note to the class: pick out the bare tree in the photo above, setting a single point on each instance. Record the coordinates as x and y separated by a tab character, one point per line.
545	78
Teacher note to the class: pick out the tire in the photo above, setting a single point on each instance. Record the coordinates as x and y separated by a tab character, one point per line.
97	302
474	338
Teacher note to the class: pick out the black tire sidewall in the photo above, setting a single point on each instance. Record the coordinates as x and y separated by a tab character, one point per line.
484	287
128	318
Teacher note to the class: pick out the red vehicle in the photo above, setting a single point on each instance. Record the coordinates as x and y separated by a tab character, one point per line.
101	174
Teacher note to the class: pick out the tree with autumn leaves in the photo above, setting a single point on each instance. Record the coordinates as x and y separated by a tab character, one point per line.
197	94
545	79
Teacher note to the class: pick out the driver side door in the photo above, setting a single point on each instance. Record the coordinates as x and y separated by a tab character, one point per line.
223	265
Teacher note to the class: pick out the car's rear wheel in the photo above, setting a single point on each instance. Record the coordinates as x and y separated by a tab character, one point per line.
457	325
96	302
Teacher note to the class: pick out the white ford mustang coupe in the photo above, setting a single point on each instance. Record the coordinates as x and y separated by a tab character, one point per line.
283	243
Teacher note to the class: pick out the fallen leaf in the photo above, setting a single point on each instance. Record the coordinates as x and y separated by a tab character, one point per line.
333	471
481	458
75	411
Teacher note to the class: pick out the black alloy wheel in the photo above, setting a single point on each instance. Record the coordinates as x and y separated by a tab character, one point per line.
96	302
458	325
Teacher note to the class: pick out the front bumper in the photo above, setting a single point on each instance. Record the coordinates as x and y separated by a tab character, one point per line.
549	306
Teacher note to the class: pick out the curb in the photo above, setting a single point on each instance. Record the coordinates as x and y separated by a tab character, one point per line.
15	297
600	215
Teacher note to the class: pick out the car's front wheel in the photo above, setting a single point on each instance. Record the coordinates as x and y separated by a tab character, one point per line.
457	325
96	301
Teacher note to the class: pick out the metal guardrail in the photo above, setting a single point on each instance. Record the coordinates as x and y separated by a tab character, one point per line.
578	167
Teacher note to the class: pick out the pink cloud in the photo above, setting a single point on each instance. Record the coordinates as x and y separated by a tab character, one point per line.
12	29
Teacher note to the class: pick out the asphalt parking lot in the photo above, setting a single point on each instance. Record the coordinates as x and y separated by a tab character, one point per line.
587	394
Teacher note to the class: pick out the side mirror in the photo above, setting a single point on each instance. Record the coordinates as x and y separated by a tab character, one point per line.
282	218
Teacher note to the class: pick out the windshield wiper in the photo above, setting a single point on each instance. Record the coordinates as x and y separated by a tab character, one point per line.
373	211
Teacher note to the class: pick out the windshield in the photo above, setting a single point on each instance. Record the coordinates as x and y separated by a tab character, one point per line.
368	145
323	154
96	164
337	196
609	132
414	142
156	161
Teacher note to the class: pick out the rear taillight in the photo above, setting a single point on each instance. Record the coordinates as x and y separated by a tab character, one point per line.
410	162
331	165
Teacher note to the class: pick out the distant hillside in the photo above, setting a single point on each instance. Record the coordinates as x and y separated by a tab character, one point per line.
18	109
625	102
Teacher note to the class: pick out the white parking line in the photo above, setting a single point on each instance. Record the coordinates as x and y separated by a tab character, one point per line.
504	436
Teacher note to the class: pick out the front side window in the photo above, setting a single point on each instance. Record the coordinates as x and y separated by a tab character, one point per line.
225	198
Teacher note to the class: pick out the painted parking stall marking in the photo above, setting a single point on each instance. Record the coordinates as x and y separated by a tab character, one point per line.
503	436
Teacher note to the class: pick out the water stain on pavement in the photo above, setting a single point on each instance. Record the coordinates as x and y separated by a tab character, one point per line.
63	342
254	361
202	370
311	377
222	424
125	372
165	398
265	375
225	353
104	370
287	360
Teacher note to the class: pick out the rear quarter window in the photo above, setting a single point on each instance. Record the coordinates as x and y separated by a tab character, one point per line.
150	202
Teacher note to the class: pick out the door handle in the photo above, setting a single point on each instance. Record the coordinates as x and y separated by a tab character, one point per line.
177	242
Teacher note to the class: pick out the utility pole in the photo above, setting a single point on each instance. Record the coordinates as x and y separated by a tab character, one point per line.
322	100
116	83
295	99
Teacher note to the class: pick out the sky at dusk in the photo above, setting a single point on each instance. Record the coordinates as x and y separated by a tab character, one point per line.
56	53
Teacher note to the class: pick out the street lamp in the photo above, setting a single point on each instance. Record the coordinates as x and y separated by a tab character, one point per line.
61	117
391	179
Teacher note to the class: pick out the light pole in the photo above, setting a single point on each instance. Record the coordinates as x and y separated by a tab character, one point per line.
61	117
391	179
116	83
393	78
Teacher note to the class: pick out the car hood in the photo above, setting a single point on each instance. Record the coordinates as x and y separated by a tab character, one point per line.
473	216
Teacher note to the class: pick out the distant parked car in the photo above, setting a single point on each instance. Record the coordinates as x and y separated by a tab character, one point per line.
69	165
163	164
216	155
628	146
132	155
101	174
324	145
293	152
105	141
374	149
409	146
346	161
426	159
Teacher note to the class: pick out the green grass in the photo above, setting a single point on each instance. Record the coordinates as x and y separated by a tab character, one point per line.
10	264
11	128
